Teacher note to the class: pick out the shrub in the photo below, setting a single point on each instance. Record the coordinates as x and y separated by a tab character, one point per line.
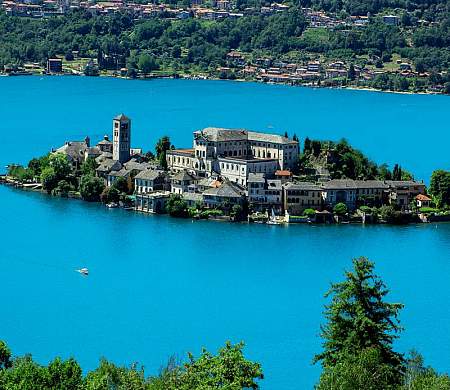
309	212
340	209
427	210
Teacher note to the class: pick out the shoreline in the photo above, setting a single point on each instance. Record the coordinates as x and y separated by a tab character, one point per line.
4	180
212	78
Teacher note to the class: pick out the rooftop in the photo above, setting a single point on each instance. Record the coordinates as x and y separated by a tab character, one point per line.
218	134
149	174
122	118
302	186
226	190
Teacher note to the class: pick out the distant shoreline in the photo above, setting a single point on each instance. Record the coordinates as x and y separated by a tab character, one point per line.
211	78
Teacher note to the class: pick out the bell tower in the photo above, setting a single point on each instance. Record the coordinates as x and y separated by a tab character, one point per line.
121	138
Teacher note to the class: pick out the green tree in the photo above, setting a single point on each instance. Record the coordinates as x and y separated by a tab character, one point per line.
121	185
384	173
89	166
359	318
419	377
351	72
60	165
307	146
147	63
440	187
109	376
63	188
365	370
110	194
91	188
65	375
5	356
176	206
162	146
340	209
49	179
226	370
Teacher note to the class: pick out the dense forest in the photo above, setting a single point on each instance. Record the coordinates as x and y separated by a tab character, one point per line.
191	45
358	353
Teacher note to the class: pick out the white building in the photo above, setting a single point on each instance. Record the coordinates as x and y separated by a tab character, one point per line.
235	153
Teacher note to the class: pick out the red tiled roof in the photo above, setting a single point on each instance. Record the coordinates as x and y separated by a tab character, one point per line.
422	197
283	173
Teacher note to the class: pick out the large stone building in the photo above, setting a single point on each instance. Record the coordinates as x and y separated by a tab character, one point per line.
234	154
301	196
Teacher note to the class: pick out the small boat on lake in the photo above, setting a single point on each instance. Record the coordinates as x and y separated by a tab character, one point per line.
112	205
273	219
83	271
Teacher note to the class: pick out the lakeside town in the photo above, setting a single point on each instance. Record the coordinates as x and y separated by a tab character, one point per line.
376	69
233	175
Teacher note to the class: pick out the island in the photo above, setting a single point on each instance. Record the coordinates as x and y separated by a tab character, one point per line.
237	175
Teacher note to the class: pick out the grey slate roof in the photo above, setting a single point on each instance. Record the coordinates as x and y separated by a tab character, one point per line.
256	178
217	134
103	157
226	190
302	186
149	174
341	184
108	165
371	184
132	164
122	173
74	150
94	151
274	184
403	183
193	196
183	176
274	138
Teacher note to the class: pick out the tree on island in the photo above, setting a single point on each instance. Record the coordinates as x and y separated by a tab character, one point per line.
359	334
440	187
176	206
53	169
91	188
89	166
161	147
121	185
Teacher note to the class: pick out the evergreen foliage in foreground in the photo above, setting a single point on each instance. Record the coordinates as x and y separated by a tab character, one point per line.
361	325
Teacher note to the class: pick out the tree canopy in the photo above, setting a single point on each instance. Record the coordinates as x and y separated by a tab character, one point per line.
360	320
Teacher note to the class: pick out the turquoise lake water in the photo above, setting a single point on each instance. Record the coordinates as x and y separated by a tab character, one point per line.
160	286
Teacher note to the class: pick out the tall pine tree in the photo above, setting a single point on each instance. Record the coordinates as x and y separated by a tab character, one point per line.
359	319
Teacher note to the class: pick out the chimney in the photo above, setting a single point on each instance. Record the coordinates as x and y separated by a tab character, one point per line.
105	137
87	141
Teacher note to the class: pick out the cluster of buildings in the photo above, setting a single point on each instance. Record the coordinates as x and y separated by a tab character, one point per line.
217	9
277	71
226	167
